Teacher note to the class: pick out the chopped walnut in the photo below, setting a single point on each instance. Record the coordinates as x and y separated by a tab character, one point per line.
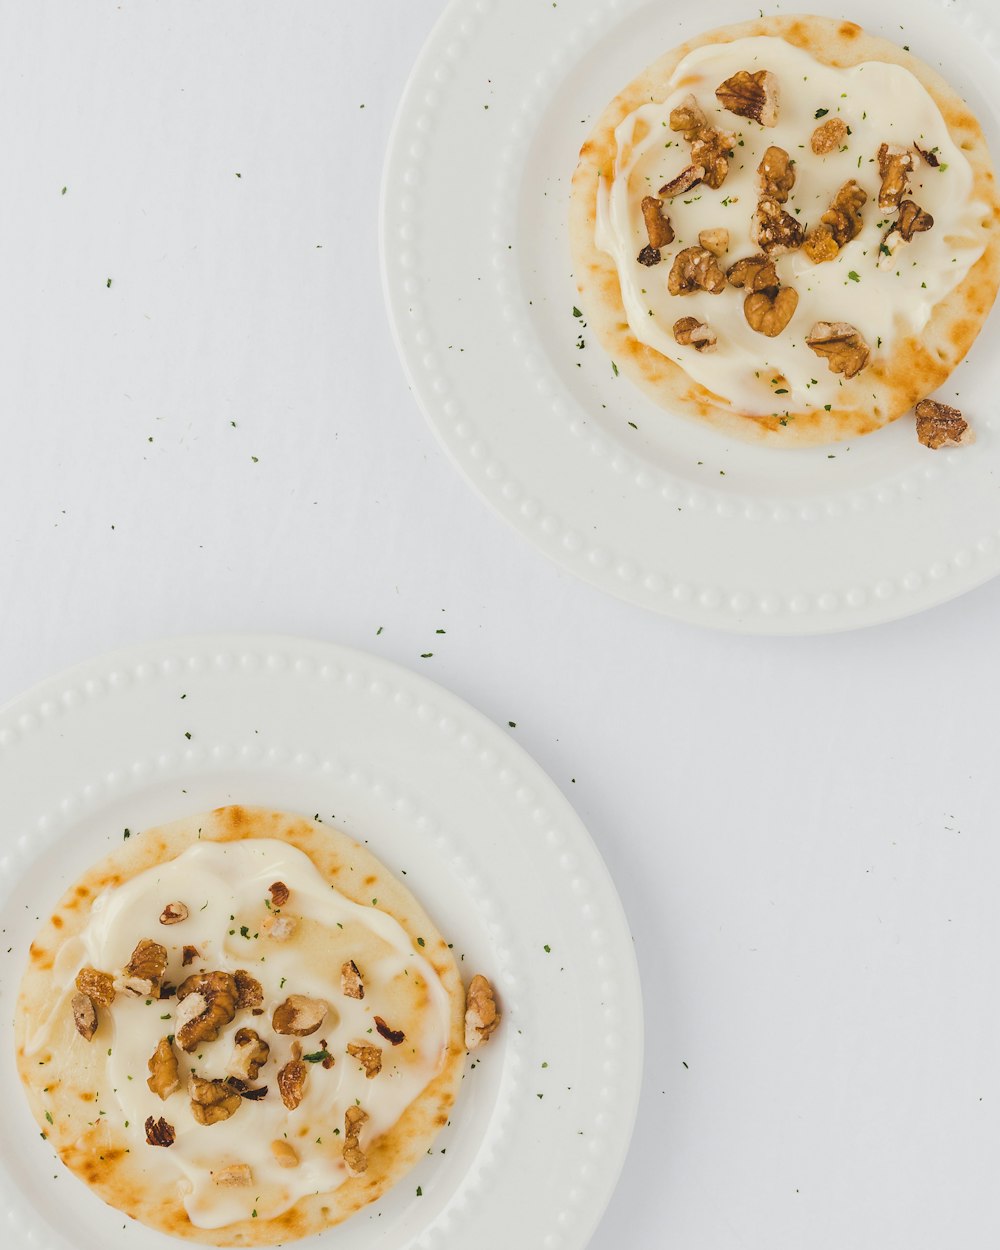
481	1015
237	1175
164	1078
207	1003
894	166
754	273
355	1158
249	994
370	1057
828	135
931	157
189	955
292	1082
841	344
212	1101
159	1132
299	1016
279	893
658	228
773	230
142	974
100	986
712	149
839	224
688	118
768	312
250	1093
280	928
249	1055
690	332
351	984
284	1154
684	181
776	172
911	220
695	269
84	1016
395	1036
715	240
939	425
173	913
751	95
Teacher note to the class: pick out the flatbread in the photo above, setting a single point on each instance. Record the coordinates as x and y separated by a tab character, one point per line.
66	1079
888	387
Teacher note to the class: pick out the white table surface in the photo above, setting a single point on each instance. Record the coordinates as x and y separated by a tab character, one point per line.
803	832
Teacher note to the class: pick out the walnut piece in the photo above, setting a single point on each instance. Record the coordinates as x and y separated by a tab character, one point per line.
688	118
776	172
207	1003
751	95
284	1154
939	425
754	273
280	928
189	955
279	893
249	994
395	1036
370	1057
773	230
690	332
841	344
712	150
931	156
250	1053
715	240
894	166
159	1132
354	1156
828	135
351	984
658	228
840	223
250	1093
292	1082
768	312
173	913
911	220
162	1064
99	986
84	1016
298	1016
481	1015
695	269
212	1101
237	1175
684	181
142	974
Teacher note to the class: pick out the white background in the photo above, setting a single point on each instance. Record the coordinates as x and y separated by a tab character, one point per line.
803	832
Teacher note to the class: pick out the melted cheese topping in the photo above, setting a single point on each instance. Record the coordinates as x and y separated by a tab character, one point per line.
224	886
881	103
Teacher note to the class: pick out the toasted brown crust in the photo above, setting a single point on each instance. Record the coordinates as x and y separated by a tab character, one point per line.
888	387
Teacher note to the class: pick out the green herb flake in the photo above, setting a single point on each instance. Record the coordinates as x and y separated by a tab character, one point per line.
821	112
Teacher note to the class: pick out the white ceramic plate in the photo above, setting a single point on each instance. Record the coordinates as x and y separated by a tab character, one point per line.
670	515
489	845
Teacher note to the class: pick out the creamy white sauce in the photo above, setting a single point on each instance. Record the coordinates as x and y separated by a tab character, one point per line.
880	103
224	886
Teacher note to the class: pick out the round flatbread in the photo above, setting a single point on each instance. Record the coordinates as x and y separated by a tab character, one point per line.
342	933
777	390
